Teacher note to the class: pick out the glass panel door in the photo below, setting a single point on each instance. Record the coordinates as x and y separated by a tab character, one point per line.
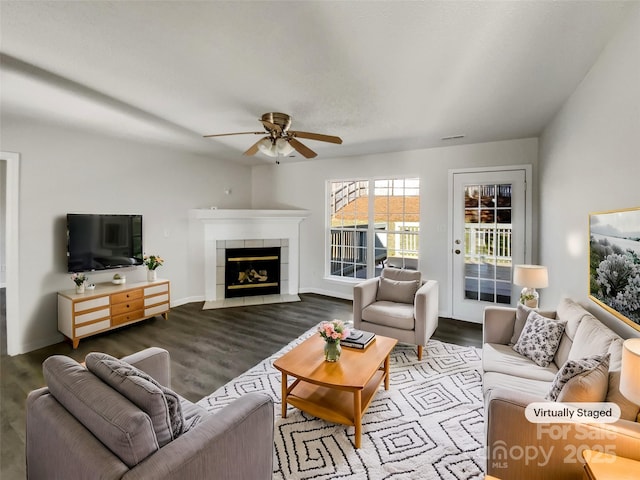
488	239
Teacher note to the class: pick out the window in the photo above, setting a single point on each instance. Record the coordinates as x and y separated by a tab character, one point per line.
372	223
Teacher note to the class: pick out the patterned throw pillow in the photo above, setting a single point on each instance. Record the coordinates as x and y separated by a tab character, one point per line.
584	380
540	338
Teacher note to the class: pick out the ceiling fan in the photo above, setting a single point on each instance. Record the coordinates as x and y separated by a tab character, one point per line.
280	141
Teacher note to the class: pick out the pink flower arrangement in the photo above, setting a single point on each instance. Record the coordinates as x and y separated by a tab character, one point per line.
334	330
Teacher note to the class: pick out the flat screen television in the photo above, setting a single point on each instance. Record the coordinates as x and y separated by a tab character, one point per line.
102	242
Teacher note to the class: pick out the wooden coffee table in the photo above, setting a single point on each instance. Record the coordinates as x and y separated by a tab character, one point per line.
338	392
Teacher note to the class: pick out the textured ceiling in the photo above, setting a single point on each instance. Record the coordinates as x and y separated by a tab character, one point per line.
385	76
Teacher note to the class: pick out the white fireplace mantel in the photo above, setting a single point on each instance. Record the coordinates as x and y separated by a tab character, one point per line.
240	224
215	214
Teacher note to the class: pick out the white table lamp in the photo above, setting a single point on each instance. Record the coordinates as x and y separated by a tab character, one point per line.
630	372
530	277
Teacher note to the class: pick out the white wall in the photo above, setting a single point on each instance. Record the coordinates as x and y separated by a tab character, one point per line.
302	185
65	170
3	205
589	162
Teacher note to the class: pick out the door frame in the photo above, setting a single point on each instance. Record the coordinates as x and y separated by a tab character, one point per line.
11	251
528	226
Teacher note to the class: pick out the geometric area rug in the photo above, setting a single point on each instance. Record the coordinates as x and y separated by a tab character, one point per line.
428	425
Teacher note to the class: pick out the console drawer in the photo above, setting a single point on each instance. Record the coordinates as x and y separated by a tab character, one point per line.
127	317
90	316
127	307
126	296
156	289
93	328
90	304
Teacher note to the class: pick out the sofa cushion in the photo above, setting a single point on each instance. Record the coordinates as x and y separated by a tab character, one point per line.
120	425
592	338
193	414
390	314
503	359
584	380
397	290
493	380
522	313
540	338
572	313
160	403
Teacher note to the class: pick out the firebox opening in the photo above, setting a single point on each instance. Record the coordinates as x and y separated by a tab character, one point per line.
252	271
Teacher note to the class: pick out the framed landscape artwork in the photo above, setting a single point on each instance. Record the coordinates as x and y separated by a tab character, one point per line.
614	263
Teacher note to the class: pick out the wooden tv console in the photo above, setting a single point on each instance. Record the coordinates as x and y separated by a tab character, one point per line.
110	306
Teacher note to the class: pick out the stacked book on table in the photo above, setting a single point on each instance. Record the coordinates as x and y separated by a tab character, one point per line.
358	339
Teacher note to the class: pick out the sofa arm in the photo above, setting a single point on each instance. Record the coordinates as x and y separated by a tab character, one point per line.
498	323
153	361
517	448
364	294
235	443
425	311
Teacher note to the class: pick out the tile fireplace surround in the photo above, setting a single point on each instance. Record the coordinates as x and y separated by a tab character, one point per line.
213	230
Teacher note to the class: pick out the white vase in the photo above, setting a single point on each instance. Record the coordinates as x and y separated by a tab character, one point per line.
152	276
80	288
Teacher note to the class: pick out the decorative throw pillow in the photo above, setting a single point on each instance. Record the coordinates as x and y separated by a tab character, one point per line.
584	380
159	402
397	290
522	313
109	416
540	338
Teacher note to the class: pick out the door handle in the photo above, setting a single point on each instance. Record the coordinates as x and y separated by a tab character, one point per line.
457	251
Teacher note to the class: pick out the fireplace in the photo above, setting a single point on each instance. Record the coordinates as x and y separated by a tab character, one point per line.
252	271
212	231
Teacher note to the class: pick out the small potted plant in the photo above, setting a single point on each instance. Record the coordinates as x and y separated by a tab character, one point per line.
152	262
79	279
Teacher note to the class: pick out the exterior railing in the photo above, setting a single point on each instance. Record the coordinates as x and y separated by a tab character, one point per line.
488	240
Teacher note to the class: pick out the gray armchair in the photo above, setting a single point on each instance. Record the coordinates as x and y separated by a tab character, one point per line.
399	305
85	426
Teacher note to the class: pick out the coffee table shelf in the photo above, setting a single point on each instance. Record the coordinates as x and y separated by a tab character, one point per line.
330	404
338	392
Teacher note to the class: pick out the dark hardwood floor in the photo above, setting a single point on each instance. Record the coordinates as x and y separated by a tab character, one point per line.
208	348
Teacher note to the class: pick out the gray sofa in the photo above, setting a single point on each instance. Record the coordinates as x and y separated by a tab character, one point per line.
519	449
111	421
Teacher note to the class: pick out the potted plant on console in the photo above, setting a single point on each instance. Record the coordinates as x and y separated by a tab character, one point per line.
152	262
79	279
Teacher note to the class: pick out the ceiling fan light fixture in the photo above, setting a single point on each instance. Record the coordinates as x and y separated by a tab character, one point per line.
267	147
275	148
283	147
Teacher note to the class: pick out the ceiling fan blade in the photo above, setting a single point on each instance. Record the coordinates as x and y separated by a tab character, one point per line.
253	149
316	136
237	133
271	126
302	149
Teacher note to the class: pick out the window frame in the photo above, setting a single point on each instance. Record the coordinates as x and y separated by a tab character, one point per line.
412	229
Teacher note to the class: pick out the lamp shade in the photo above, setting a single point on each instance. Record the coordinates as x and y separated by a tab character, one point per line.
531	276
630	372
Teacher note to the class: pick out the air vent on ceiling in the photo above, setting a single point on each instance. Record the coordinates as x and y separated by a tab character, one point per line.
452	137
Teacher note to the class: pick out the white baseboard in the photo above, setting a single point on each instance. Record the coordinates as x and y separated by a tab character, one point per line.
184	301
41	343
327	293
